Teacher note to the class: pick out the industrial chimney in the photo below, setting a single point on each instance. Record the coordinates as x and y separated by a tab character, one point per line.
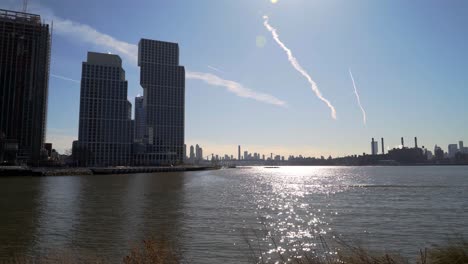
415	142
402	142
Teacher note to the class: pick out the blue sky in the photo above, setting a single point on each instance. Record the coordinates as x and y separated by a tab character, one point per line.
409	60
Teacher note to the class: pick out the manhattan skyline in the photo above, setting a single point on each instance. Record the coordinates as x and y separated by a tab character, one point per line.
415	86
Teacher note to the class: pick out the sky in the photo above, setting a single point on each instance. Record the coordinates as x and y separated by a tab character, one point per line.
409	61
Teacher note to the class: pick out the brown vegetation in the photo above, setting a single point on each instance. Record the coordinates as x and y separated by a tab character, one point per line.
157	251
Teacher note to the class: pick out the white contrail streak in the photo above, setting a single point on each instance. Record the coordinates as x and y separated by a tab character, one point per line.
64	78
235	88
358	98
215	69
298	67
87	34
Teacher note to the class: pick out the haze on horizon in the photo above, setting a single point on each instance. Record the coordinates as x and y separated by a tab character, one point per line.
409	59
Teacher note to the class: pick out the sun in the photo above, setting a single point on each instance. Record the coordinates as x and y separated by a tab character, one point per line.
274	1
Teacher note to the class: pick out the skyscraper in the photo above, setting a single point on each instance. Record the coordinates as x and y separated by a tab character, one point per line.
24	80
140	119
239	152
452	150
197	152
105	136
192	154
163	82
374	147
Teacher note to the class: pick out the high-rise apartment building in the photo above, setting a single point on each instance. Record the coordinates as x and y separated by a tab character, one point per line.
140	119
24	80
163	82
105	127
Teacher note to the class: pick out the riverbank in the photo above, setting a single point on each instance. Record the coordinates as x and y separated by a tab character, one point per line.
46	171
162	251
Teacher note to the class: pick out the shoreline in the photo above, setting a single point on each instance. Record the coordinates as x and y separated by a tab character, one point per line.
44	171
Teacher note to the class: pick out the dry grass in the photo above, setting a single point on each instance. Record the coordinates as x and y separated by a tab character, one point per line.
153	252
342	252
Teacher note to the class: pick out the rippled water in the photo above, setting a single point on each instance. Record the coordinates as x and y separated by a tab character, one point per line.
209	214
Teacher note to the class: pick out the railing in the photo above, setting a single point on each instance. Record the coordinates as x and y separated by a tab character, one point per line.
14	15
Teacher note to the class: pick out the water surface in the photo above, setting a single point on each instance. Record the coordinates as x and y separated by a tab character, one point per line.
208	214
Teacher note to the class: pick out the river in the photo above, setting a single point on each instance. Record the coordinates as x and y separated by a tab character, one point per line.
209	215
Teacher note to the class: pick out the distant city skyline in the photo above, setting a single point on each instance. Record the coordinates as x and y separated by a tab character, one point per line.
413	86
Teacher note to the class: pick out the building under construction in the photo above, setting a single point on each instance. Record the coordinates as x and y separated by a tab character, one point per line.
24	75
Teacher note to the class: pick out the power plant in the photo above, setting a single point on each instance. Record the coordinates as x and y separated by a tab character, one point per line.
374	145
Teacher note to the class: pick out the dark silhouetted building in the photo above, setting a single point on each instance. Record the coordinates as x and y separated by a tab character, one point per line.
438	153
24	79
452	150
163	82
383	147
105	130
192	154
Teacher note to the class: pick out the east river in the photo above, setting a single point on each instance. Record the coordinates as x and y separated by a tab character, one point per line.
210	215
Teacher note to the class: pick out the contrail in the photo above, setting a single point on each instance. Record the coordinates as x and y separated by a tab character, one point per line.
64	78
235	88
298	67
358	99
215	69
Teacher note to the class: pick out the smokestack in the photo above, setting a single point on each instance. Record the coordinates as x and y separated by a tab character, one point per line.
238	152
383	147
402	142
415	142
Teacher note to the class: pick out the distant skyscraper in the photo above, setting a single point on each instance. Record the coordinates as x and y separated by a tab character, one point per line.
383	147
239	152
24	80
374	147
452	150
192	154
105	128
197	152
140	119
460	145
163	82
438	152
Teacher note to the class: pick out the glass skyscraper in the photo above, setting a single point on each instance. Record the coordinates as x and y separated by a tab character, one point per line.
105	130
24	80
163	82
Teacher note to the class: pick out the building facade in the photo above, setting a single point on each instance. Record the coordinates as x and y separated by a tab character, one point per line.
105	127
140	119
163	83
24	79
